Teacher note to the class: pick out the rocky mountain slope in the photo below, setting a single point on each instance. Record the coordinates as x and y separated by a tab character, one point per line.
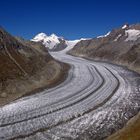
24	67
55	43
121	45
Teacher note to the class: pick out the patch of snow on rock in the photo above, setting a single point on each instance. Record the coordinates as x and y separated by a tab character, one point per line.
125	26
104	35
116	39
132	34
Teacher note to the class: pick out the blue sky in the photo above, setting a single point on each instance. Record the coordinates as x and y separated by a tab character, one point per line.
69	18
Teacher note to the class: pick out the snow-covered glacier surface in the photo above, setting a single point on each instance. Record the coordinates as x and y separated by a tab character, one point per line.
95	100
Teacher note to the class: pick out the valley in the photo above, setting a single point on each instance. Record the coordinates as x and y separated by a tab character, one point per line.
52	88
91	100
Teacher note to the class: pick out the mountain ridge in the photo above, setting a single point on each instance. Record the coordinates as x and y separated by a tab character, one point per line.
121	46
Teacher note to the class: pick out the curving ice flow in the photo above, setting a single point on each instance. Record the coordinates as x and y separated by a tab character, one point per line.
95	97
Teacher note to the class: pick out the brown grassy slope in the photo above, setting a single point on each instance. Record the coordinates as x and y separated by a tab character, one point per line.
25	67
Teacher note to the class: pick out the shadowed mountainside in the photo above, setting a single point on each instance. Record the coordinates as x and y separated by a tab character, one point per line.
24	67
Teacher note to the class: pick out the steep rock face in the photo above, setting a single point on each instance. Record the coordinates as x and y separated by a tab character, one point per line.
121	45
25	66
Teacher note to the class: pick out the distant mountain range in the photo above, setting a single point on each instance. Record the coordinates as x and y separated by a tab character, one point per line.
55	43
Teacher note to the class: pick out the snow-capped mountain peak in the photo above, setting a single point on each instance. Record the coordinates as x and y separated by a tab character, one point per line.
56	43
53	42
54	36
39	37
48	41
43	36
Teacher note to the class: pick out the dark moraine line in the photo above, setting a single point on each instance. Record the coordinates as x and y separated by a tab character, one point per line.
61	122
55	110
93	86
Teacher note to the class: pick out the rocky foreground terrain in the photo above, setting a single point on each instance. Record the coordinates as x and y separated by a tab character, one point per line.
25	66
120	46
